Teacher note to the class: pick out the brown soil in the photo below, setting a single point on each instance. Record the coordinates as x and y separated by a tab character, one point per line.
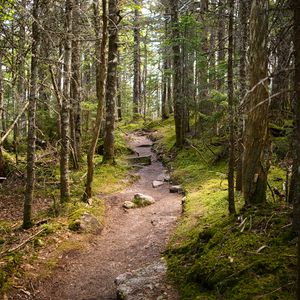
131	239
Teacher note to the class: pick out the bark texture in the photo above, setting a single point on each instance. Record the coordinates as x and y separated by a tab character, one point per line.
179	107
136	62
255	162
111	84
65	107
100	88
31	139
231	204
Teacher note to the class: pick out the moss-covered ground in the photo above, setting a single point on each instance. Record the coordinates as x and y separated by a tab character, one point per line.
212	255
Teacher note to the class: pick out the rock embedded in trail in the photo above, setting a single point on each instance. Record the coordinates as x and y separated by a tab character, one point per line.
88	223
143	200
142	160
164	177
157	183
143	284
176	189
129	205
145	145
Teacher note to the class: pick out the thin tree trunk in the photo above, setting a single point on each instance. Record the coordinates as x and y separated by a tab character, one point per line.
119	96
136	62
242	89
296	219
30	178
231	204
75	112
65	107
2	163
111	83
145	77
164	96
100	89
255	163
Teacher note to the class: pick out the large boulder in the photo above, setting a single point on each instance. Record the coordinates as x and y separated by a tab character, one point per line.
143	284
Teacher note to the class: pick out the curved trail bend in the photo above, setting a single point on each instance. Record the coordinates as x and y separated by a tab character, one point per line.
131	239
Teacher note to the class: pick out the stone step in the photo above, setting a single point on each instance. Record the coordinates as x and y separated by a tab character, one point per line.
142	160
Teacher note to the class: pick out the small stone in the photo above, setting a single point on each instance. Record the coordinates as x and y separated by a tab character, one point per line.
129	205
157	183
90	224
176	189
143	200
167	178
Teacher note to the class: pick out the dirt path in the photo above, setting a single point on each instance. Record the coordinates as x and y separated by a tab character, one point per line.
130	240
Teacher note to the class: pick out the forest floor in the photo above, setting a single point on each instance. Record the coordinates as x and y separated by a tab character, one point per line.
131	239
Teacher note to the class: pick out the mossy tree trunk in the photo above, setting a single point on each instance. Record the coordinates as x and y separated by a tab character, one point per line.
111	83
101	68
31	138
255	162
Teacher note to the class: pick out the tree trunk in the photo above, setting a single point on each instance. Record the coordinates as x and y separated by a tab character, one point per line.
30	170
255	163
231	204
179	107
296	217
65	107
101	69
243	33
119	96
75	112
164	96
111	83
136	62
221	45
2	163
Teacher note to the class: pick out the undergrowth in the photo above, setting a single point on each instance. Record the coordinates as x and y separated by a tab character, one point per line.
57	222
212	255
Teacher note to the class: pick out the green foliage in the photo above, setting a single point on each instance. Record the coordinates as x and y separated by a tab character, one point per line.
10	266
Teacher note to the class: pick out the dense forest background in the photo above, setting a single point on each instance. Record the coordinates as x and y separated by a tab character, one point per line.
215	78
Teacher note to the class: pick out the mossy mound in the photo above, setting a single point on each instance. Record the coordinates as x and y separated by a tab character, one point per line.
212	255
253	257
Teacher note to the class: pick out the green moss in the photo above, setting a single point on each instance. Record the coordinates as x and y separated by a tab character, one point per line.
212	255
77	209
